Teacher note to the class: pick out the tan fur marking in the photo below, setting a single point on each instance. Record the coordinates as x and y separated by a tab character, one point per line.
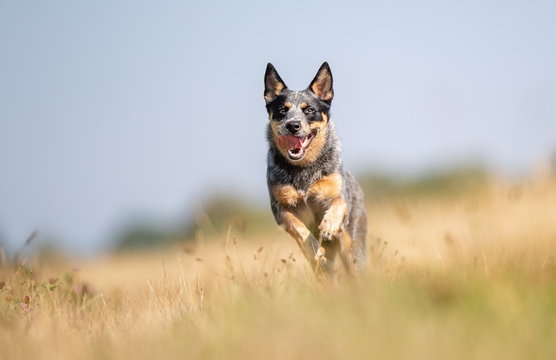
305	240
320	86
314	149
333	218
304	105
327	188
275	126
318	142
295	227
345	240
345	252
279	88
288	104
286	195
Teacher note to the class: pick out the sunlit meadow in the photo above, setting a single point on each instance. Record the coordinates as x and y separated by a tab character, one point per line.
466	274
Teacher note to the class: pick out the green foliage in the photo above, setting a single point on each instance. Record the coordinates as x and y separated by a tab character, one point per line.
220	213
22	292
216	216
142	235
449	182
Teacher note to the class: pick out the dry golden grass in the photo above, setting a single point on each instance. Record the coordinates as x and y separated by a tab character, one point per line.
471	275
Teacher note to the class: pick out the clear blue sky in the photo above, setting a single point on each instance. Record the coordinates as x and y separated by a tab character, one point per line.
110	109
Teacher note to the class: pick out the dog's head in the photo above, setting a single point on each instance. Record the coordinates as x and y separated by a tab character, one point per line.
299	119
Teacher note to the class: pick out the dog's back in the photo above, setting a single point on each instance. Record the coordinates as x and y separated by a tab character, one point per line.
319	204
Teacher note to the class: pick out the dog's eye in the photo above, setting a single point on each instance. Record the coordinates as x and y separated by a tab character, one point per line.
283	110
309	110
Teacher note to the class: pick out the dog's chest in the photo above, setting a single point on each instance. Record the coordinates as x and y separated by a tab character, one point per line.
310	209
309	205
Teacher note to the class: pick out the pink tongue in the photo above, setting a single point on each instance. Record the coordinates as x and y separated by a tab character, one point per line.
290	142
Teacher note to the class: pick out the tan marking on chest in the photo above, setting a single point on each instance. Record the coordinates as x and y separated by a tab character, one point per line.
286	195
327	188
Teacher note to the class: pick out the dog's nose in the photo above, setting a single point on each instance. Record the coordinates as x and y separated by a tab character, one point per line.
293	126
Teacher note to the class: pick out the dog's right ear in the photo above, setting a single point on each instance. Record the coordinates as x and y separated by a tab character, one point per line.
273	84
322	83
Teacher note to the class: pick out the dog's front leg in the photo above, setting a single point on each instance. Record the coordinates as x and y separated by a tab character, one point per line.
333	219
308	244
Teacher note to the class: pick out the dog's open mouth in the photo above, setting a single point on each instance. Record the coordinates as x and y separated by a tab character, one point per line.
296	146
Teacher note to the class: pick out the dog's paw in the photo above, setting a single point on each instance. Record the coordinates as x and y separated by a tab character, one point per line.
332	220
328	228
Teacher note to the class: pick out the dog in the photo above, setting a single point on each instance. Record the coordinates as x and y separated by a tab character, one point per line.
318	203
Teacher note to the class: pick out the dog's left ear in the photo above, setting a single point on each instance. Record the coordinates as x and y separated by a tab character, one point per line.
322	83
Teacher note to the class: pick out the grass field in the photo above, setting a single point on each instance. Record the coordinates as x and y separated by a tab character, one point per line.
463	275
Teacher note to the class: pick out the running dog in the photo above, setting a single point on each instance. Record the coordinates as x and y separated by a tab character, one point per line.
318	203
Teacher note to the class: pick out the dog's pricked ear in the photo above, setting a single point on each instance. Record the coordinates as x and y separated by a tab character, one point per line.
273	84
322	83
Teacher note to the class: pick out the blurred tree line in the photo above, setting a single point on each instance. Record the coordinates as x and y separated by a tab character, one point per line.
220	213
216	216
436	183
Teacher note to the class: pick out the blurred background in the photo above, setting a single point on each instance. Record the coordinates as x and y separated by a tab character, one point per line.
131	124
